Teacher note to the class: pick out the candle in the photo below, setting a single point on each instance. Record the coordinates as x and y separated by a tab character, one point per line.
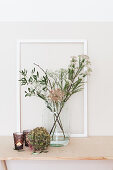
18	140
25	132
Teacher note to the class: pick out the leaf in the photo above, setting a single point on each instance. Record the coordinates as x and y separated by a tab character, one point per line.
66	86
30	79
41	96
29	89
45	88
77	90
35	77
33	71
33	91
26	95
23	81
37	74
49	108
75	85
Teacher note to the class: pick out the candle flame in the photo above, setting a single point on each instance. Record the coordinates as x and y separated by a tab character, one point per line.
18	144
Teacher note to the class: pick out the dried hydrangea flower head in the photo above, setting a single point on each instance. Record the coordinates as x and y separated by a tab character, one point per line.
39	139
56	95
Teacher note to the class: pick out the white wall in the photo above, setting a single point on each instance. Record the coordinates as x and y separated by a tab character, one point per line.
100	83
56	10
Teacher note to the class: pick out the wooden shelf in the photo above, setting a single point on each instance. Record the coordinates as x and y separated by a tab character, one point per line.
91	148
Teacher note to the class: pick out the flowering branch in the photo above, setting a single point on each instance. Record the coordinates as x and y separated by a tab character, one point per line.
55	88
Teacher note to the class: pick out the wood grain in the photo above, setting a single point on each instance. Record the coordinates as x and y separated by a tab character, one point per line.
91	148
4	165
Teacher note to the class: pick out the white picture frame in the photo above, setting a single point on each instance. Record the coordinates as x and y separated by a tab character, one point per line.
19	42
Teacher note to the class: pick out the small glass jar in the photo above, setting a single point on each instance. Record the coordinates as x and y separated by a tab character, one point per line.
18	140
26	132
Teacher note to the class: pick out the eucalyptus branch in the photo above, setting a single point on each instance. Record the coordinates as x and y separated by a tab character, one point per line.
44	73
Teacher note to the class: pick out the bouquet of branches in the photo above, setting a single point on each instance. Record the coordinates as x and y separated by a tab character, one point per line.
56	87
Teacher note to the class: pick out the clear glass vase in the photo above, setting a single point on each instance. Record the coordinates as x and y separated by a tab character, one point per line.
58	126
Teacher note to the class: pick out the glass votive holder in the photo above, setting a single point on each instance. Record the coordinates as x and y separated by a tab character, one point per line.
18	140
25	132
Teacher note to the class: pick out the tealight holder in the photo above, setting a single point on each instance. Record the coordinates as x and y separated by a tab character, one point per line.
18	140
25	132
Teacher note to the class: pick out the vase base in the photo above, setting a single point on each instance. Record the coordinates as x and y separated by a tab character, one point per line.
59	141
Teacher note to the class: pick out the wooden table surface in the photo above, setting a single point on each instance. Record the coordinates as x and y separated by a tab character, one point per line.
91	148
